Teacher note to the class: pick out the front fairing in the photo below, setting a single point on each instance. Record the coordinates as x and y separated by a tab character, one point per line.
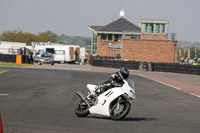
129	88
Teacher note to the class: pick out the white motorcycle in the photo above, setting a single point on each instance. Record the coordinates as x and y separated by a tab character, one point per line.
115	102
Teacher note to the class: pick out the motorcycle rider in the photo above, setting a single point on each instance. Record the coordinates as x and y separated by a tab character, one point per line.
116	80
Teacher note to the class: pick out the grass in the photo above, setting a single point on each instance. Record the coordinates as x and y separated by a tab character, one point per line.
13	64
1	70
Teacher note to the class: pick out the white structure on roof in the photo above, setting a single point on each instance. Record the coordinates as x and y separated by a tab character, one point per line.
122	13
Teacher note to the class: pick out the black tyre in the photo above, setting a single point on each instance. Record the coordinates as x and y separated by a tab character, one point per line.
82	109
118	113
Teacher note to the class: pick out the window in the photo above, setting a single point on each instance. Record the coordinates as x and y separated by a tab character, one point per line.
103	36
162	28
110	37
146	27
94	38
157	28
116	37
94	44
60	52
151	28
135	36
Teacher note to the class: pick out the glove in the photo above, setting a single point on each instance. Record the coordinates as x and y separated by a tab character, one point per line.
98	88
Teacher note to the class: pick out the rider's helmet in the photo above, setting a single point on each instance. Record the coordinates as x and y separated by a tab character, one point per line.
123	73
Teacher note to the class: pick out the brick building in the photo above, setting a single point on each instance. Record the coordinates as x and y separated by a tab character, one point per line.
124	39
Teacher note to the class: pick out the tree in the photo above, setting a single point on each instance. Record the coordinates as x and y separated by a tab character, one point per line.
44	37
52	35
26	37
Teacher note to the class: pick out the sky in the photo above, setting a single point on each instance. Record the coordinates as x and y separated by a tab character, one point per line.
72	17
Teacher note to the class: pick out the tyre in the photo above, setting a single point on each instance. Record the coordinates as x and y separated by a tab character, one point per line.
82	109
121	111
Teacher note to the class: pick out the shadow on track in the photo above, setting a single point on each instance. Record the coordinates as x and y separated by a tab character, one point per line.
138	119
125	119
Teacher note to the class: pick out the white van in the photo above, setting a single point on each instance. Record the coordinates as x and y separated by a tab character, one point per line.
62	53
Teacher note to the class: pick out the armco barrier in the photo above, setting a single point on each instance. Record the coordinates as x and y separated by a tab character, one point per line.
12	58
147	66
115	63
7	58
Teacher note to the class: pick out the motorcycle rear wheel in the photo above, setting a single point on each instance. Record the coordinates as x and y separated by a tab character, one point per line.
81	109
121	112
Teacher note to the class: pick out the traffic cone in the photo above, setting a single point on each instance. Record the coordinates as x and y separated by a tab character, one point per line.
1	127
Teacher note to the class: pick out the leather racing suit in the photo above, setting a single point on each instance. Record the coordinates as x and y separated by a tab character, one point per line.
114	81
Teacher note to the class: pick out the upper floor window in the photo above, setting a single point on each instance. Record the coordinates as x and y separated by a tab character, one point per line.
110	37
154	28
103	36
157	28
162	27
146	27
135	36
151	28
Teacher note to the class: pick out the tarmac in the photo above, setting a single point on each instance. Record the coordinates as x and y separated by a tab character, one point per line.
184	82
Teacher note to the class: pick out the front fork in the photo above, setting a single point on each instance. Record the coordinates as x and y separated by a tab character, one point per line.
118	102
125	99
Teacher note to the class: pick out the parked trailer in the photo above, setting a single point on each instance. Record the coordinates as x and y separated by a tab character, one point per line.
10	47
62	53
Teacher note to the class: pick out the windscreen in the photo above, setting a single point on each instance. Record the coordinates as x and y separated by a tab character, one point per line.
131	83
46	55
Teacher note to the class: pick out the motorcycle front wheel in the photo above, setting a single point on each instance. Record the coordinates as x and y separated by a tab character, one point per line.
119	111
81	109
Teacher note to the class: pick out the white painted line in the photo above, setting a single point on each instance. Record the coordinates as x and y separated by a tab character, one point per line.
4	94
4	71
195	95
168	85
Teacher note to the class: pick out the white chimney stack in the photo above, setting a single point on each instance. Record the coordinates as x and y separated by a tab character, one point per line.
122	13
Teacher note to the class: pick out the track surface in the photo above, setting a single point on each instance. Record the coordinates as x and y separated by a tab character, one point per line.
43	101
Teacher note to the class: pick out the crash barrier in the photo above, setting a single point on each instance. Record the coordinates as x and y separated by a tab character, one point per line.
7	58
13	58
115	63
177	68
147	66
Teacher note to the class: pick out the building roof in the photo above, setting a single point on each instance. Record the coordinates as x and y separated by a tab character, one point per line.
119	25
95	27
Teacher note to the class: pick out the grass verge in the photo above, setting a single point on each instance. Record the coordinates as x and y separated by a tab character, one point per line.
14	64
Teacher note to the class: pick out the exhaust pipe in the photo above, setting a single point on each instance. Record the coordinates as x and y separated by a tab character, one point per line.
80	94
82	97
